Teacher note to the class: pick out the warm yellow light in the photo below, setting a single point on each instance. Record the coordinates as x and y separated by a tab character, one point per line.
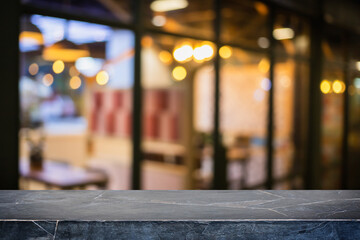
183	53
325	86
358	65
264	65
73	71
48	79
343	86
179	73
146	41
67	55
65	50
204	52
338	86
225	52
36	36
75	82
58	66
165	57
261	8
283	33
168	5
102	78
33	69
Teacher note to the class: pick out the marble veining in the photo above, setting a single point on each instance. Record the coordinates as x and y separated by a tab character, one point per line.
180	214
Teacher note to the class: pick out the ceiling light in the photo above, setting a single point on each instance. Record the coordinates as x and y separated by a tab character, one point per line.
283	33
168	5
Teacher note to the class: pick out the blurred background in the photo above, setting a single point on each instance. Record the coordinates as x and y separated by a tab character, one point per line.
180	94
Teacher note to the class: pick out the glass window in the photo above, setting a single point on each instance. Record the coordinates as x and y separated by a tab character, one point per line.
243	115
344	13
177	77
245	22
290	118
354	117
332	87
117	10
291	34
193	18
75	93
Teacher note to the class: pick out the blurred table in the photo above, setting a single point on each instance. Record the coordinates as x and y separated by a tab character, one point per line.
63	176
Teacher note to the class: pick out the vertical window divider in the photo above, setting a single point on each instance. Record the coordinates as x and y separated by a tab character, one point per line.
312	169
345	126
219	169
270	118
137	100
9	98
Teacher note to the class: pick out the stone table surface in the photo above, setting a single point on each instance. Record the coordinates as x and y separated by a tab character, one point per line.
190	214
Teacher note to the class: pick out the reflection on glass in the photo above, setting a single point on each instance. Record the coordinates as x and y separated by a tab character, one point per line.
119	10
177	76
354	130
290	117
79	104
291	34
181	16
245	22
244	108
332	88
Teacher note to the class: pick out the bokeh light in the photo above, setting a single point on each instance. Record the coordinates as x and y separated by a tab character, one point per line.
75	82
204	52
338	86
263	42
357	83
265	84
58	66
165	57
325	86
158	20
183	53
179	73
225	52
168	5
102	78
283	33
33	69
48	79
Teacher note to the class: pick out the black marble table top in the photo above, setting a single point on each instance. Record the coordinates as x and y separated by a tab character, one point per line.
180	205
180	214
